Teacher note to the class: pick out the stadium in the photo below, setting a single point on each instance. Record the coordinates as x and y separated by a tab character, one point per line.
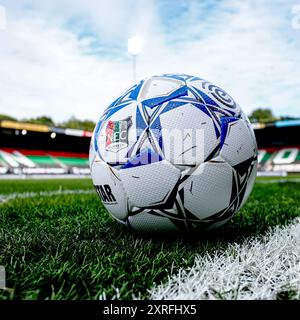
32	150
58	241
63	218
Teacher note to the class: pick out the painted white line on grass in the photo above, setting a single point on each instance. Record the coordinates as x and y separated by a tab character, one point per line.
256	269
12	196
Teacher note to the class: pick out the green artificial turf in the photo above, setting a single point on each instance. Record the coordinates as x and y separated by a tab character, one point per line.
66	246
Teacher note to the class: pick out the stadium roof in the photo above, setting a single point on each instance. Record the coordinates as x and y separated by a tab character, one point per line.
43	128
8	124
283	123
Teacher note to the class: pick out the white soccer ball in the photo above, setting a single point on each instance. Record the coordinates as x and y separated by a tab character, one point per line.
173	153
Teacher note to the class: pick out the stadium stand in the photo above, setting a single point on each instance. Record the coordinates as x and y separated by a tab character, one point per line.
29	149
279	146
38	149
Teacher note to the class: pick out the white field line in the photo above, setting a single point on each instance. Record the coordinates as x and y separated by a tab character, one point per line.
12	196
259	268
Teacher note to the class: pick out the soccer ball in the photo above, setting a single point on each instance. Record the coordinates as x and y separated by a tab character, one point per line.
173	153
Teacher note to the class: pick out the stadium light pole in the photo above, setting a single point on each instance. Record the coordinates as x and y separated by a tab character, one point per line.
135	45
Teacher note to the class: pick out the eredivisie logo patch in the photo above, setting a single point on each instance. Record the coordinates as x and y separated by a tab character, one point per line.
117	134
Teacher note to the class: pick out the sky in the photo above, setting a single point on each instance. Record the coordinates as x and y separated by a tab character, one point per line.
69	57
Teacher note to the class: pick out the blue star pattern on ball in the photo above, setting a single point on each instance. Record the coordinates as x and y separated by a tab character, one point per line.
156	186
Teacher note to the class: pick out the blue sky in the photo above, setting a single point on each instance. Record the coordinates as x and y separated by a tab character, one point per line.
69	57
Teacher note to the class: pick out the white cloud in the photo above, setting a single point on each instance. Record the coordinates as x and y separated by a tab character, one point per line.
2	18
246	52
45	72
47	67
